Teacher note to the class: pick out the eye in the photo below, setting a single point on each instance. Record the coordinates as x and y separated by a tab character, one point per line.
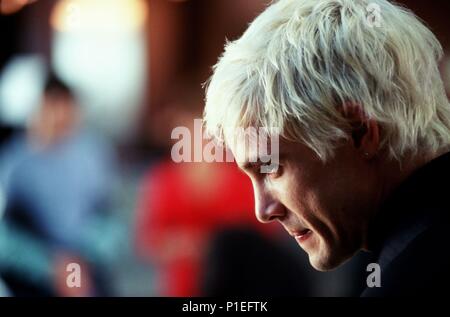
275	172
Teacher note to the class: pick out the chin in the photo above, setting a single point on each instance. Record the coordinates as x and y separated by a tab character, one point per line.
321	265
325	260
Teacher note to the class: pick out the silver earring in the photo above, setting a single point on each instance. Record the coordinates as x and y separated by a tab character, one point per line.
366	154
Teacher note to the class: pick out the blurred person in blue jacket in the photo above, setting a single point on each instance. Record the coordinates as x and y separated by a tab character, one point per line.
57	178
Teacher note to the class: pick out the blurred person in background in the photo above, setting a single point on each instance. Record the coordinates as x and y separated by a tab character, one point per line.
57	180
182	205
179	208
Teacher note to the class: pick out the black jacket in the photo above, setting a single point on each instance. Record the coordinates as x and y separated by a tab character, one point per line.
411	235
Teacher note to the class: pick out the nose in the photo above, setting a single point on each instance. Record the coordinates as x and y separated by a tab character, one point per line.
267	208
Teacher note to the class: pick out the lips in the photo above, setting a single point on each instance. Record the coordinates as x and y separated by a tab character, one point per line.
301	235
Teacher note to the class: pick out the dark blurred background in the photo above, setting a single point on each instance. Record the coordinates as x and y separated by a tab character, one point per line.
90	91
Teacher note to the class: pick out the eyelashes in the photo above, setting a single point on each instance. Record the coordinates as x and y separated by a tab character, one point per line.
276	172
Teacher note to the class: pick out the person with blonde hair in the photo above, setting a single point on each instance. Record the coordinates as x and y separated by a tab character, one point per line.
353	88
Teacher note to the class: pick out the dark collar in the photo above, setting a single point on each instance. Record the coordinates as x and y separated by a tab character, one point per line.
412	208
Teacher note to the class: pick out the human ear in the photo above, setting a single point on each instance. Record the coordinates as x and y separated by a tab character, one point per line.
365	132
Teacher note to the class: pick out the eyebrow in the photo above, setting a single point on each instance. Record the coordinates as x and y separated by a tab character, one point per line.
247	166
257	162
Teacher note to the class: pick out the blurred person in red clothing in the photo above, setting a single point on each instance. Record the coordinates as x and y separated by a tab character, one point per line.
181	207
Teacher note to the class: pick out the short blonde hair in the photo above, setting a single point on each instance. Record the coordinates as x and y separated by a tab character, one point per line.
300	59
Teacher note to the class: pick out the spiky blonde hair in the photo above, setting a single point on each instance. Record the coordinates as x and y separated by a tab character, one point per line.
301	59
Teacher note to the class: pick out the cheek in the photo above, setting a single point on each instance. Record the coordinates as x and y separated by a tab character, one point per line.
312	195
300	199
316	206
339	211
292	192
